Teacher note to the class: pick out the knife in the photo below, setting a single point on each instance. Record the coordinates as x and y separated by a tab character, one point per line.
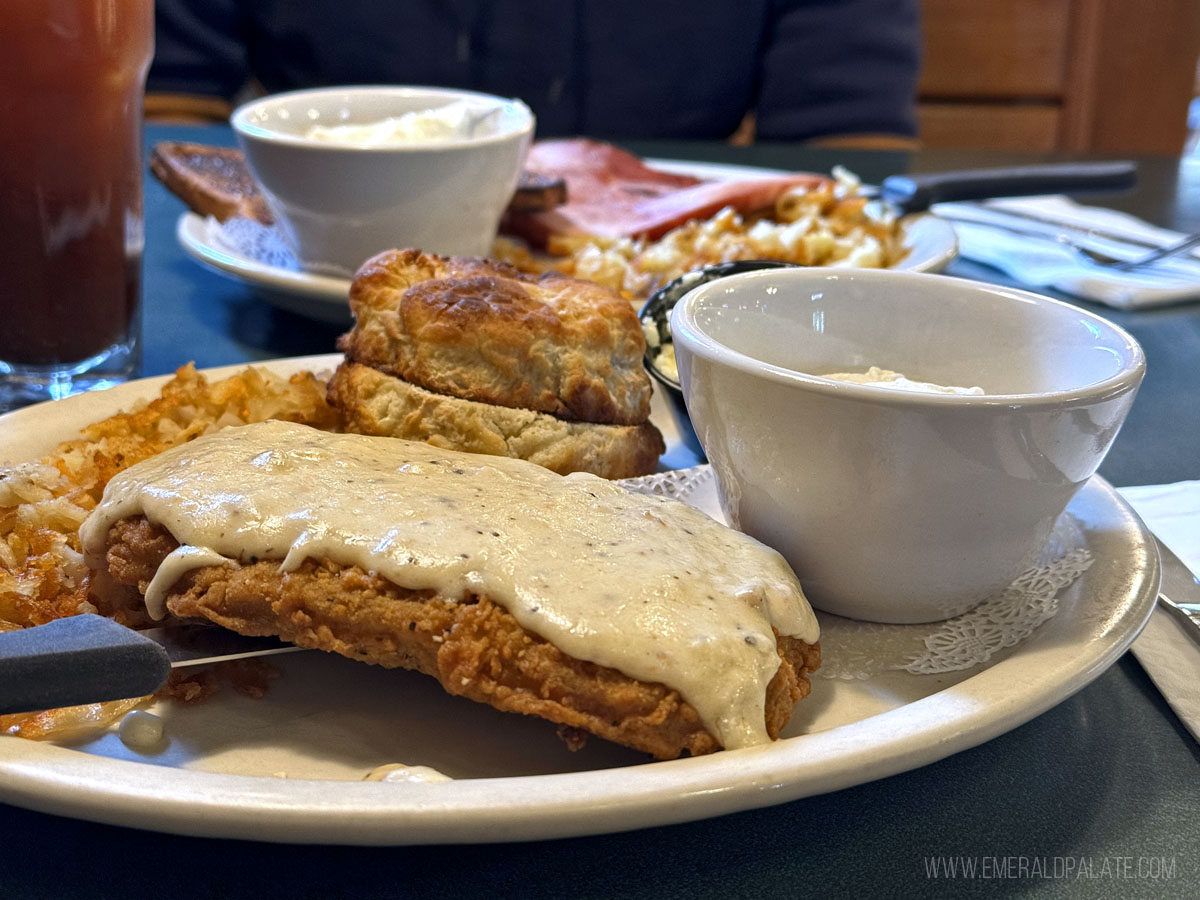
90	659
916	193
1179	592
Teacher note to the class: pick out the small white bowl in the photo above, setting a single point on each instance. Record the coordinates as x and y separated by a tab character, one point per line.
337	204
895	506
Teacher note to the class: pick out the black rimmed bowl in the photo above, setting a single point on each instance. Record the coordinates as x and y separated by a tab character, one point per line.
660	351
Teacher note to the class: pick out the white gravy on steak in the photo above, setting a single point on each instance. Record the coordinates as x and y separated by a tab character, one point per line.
644	585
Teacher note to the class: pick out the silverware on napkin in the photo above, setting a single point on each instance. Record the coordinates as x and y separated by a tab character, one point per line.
1083	229
1179	593
89	659
1077	238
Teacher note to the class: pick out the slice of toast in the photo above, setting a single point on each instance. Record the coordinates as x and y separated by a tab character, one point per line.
216	181
212	181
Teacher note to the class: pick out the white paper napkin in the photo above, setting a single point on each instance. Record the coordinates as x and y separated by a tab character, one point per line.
1169	655
1034	258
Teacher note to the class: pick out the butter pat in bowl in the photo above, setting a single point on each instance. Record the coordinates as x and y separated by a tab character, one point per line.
895	504
352	171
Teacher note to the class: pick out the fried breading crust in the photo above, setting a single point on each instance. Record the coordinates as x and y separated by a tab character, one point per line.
474	647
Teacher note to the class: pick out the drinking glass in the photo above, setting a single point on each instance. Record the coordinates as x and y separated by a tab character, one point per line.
72	80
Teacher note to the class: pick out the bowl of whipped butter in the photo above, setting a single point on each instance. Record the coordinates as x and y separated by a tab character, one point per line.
352	171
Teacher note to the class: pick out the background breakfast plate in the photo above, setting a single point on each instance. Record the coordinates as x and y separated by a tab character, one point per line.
320	297
289	767
931	244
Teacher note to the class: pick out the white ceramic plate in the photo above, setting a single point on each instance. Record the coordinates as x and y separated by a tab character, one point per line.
289	767
320	297
931	244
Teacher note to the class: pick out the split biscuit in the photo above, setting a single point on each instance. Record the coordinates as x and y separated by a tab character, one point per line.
376	403
483	331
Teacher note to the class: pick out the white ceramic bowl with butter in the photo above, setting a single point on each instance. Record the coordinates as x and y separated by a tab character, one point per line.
895	506
340	199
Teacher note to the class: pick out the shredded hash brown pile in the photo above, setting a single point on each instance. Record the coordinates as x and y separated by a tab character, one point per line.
43	503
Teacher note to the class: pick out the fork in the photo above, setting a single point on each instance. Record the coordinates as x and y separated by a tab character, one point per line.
1093	256
1180	246
1178	590
1186	613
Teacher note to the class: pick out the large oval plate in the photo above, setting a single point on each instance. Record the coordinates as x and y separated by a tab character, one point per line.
930	241
289	767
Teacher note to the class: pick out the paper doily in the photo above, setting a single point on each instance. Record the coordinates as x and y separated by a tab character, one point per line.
852	650
251	239
265	244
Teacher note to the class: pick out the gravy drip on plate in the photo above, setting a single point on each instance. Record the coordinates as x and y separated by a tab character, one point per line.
644	585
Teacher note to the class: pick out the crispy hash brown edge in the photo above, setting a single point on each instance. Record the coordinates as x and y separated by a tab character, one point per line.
43	503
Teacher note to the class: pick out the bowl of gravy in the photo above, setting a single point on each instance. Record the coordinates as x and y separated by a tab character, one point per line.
906	441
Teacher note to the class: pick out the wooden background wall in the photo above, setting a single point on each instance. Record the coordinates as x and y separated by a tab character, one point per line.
1103	75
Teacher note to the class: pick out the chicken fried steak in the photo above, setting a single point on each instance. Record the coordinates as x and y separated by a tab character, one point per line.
473	647
634	618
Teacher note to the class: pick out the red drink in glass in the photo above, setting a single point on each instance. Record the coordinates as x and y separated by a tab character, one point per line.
72	80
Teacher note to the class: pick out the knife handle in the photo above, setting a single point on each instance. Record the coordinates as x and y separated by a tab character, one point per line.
80	659
916	193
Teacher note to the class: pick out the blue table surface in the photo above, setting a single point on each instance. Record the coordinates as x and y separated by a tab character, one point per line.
1107	779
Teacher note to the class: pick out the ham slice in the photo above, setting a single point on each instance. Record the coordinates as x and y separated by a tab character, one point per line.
612	193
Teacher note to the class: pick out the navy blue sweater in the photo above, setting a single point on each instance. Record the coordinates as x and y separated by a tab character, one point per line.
603	68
